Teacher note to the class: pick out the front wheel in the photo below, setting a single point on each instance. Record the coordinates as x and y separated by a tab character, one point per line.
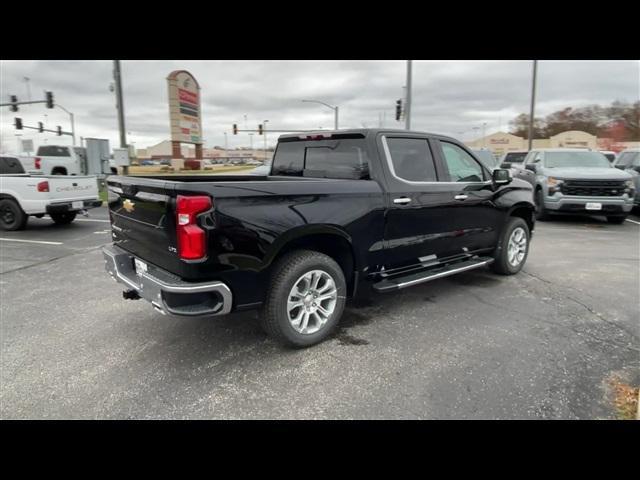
616	220
513	247
541	212
63	218
306	299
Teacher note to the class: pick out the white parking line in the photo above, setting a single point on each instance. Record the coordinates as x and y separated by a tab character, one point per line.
30	241
91	220
633	221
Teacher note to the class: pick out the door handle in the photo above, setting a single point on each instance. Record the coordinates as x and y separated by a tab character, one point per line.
402	200
462	196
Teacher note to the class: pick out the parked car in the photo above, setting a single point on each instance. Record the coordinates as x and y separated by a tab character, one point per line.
516	157
23	195
611	156
486	157
577	181
629	161
340	211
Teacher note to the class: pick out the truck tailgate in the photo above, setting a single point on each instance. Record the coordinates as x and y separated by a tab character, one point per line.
142	220
63	188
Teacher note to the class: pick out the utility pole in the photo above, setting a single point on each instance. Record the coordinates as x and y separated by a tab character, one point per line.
533	102
26	80
118	80
407	107
226	147
484	135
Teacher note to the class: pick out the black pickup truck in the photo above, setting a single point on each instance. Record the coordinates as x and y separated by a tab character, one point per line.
342	210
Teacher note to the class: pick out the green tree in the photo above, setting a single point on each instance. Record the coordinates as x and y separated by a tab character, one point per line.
519	126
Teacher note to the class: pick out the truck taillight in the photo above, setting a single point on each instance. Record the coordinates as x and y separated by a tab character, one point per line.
191	238
43	186
37	163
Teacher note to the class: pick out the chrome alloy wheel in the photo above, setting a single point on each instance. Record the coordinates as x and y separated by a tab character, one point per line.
517	247
311	301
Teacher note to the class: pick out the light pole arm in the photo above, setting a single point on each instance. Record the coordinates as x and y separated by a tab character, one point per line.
335	109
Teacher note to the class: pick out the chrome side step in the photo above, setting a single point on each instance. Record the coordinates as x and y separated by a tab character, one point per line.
391	284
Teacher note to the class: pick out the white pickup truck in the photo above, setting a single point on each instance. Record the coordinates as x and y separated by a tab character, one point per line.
56	160
23	195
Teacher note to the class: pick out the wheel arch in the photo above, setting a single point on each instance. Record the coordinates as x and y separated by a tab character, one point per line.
524	210
328	239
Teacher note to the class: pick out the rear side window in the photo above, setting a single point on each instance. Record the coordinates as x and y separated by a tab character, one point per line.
53	151
9	165
344	158
411	159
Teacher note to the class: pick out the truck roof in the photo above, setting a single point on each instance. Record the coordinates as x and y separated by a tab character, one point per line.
363	131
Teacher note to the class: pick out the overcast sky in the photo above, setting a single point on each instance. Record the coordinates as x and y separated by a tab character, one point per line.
448	97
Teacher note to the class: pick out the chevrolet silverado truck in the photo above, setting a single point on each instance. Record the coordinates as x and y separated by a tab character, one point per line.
23	195
577	182
338	213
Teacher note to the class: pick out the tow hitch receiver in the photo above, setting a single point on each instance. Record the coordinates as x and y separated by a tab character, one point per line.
130	295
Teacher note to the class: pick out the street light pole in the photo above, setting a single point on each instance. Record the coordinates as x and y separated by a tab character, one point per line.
533	102
264	130
407	107
73	127
123	137
335	110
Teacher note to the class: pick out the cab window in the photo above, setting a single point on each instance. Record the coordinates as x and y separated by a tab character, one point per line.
462	166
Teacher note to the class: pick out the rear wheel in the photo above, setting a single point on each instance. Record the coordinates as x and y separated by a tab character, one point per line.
11	215
306	299
63	218
616	220
513	247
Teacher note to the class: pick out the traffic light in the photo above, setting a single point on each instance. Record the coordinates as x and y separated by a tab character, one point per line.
260	129
235	129
49	99
14	100
398	109
40	127
59	130
18	123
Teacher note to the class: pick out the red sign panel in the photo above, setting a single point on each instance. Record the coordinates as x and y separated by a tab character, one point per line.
186	96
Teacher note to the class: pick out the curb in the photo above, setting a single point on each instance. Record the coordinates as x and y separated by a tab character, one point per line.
638	409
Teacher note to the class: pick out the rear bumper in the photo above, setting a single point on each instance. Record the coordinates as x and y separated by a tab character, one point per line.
166	292
68	207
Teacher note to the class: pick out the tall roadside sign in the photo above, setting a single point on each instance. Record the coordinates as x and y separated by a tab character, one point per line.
184	112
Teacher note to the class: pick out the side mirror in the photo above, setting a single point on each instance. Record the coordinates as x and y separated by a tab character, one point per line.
532	167
501	176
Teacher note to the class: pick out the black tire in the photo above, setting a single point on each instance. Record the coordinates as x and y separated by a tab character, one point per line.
541	212
501	263
63	218
11	215
616	220
286	272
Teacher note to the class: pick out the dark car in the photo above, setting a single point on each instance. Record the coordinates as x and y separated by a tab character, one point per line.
339	212
511	158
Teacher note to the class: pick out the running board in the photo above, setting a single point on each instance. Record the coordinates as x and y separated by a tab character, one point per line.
389	285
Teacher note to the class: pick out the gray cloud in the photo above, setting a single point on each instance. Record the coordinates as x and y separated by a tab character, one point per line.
449	97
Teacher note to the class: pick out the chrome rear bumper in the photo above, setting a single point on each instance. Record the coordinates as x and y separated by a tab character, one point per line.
166	292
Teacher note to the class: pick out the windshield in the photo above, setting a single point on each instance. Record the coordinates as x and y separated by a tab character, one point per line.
576	159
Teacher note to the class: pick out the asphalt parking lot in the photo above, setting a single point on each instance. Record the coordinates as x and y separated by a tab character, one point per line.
544	344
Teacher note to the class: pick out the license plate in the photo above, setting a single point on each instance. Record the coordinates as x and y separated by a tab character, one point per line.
139	265
77	205
594	206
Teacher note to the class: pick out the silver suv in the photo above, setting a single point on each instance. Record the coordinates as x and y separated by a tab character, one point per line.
577	181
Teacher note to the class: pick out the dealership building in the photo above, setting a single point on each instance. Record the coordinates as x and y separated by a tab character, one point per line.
501	142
